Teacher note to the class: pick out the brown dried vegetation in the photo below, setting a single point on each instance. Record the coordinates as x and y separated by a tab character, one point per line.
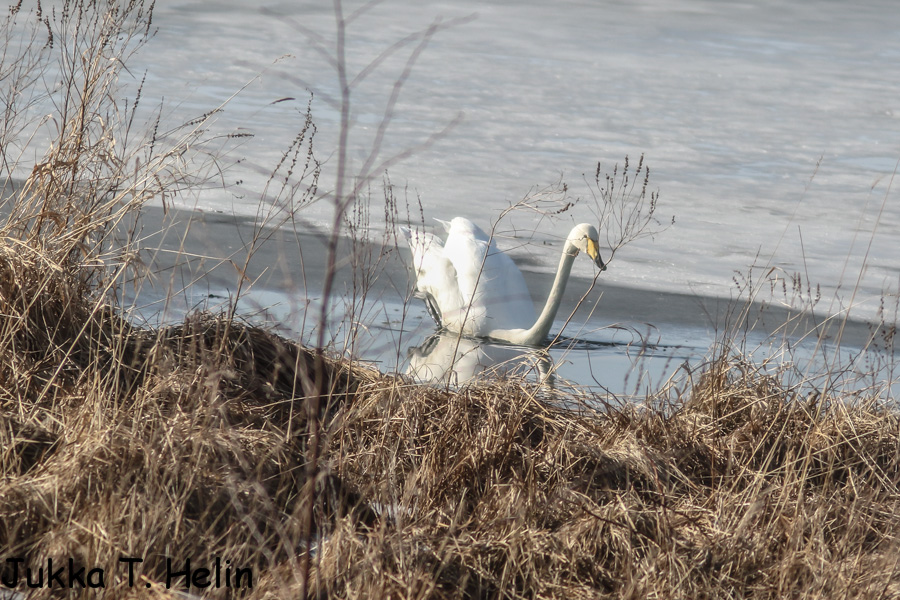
188	442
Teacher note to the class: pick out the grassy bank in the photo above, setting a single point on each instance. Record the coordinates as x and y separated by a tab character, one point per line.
149	460
187	442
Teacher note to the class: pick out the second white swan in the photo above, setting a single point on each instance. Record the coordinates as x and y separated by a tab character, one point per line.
470	286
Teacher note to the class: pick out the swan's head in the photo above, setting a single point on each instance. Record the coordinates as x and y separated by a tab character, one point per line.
585	239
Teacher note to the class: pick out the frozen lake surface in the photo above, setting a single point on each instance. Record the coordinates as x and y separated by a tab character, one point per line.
772	132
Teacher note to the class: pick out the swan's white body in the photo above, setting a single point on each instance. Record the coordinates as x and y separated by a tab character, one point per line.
472	287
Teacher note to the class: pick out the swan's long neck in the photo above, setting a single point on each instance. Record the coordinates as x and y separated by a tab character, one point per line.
541	327
538	332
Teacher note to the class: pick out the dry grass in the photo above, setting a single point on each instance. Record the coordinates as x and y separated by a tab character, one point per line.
189	442
740	492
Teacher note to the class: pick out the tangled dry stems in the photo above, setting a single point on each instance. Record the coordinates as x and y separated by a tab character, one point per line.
188	442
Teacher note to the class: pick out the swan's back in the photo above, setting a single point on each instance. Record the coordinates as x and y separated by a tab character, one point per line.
501	299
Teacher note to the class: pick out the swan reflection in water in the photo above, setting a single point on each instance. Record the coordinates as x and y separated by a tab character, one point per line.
447	357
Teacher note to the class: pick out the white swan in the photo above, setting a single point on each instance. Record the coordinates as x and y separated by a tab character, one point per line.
470	286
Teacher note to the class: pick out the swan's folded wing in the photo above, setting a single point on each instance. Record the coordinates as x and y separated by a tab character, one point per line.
503	291
436	279
488	280
467	253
